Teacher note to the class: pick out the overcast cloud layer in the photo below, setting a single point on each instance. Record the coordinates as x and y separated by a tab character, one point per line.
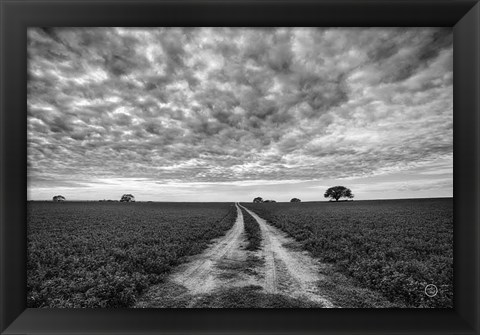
225	114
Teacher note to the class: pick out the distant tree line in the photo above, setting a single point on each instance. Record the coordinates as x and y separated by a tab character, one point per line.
260	200
334	193
124	198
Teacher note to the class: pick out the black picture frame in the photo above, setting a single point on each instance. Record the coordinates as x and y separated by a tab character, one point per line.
462	15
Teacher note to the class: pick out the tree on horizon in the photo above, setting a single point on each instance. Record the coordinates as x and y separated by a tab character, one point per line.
127	198
337	192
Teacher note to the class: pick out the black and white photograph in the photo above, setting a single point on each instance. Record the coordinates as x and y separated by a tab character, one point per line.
237	167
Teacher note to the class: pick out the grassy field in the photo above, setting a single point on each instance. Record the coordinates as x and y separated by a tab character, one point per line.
395	247
92	254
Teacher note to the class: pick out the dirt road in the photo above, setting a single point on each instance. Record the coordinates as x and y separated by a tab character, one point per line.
275	270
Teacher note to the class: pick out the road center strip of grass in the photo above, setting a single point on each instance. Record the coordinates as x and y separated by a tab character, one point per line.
252	230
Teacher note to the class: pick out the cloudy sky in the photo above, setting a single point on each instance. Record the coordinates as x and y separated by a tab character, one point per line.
228	114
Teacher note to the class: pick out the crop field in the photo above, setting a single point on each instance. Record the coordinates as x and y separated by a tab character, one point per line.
395	247
92	254
111	254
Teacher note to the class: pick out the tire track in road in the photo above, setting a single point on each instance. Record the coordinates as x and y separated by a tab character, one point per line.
200	275
270	268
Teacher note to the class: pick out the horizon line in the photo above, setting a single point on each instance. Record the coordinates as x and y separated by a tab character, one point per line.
353	200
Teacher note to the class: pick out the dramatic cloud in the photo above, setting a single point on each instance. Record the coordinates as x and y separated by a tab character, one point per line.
227	113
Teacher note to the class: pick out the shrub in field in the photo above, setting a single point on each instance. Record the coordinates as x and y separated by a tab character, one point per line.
395	247
103	254
252	230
